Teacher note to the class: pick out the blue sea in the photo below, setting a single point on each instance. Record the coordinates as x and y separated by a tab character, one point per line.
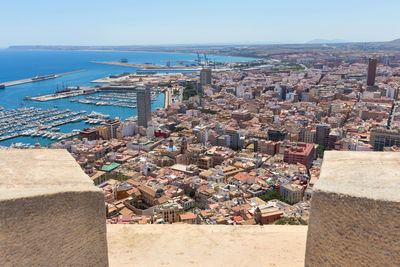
22	64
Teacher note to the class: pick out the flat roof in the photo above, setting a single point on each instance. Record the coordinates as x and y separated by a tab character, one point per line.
110	167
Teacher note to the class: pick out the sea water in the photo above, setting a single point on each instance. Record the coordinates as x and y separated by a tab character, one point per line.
22	64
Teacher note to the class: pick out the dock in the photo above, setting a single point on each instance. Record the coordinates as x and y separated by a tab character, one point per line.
167	96
148	66
47	77
81	91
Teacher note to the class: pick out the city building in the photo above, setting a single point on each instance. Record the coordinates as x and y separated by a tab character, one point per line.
143	106
291	193
372	62
89	134
267	215
277	135
303	153
110	128
322	134
169	212
381	138
205	77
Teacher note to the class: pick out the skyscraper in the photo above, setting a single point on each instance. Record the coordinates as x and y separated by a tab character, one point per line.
205	77
143	106
372	62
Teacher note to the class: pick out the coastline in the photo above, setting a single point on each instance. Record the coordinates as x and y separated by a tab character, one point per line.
125	51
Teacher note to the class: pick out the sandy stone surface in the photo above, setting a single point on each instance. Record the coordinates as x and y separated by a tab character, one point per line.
203	245
29	172
51	214
355	211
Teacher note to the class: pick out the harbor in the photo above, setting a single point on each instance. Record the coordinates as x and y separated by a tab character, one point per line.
113	96
37	78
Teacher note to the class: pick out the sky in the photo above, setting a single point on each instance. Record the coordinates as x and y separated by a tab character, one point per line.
160	22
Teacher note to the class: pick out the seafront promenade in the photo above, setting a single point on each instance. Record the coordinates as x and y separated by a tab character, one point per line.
35	79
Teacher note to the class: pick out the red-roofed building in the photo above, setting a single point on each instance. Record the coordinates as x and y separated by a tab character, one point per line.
300	153
188	217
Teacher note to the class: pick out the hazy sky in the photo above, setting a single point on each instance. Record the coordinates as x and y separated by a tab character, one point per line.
130	22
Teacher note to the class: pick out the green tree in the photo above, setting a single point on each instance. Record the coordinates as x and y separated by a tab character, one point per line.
271	195
320	150
118	176
284	221
189	90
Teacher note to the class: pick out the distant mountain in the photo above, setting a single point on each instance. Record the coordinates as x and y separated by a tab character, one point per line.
324	41
395	41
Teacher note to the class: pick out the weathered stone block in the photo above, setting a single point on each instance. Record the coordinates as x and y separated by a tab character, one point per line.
51	214
355	211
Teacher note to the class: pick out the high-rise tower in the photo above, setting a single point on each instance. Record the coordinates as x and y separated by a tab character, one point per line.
143	106
205	77
372	62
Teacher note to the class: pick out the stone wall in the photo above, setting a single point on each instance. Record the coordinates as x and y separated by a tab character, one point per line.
355	211
51	214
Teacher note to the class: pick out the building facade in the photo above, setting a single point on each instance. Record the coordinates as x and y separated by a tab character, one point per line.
143	106
372	62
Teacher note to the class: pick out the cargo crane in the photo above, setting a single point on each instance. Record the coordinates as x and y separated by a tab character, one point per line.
198	58
180	62
205	59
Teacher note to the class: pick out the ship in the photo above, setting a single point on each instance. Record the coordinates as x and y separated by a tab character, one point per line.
2	86
124	60
64	90
46	77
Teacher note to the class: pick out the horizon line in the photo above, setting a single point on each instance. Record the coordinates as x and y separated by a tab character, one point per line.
311	42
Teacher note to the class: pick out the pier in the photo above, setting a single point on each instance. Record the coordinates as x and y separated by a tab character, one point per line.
167	96
34	79
149	66
72	93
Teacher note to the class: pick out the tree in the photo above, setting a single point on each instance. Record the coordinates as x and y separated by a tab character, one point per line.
118	176
290	221
189	90
271	195
320	150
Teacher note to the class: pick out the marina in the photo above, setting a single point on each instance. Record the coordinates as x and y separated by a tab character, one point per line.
124	99
35	122
36	79
29	121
